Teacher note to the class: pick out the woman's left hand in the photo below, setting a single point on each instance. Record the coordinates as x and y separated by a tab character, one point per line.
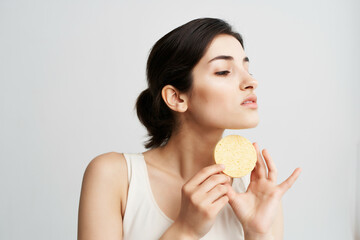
257	208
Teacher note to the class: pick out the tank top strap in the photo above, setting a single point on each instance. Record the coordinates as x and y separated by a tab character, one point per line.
143	219
136	167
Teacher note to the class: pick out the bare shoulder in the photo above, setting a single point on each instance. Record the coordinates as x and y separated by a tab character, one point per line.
106	159
103	187
107	171
108	165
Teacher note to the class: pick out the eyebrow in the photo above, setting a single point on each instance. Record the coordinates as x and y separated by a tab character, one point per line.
229	58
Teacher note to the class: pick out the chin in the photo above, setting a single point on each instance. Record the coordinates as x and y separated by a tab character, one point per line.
254	125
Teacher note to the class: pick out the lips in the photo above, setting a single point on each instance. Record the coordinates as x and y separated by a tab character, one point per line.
251	98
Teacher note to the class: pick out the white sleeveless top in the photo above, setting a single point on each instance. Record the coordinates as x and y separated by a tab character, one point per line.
144	220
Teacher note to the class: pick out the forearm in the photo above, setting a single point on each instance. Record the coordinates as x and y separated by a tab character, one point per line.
176	232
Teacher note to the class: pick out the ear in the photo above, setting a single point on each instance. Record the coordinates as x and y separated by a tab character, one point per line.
175	100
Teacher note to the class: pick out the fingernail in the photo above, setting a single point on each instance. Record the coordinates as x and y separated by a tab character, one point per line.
222	166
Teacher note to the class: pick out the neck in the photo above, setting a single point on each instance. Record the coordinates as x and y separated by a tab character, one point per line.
188	151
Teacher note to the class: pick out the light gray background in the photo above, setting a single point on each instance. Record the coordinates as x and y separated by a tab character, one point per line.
70	73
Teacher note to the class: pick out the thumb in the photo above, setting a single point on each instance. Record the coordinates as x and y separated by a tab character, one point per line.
231	193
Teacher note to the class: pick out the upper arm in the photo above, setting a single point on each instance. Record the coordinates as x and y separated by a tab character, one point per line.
100	205
278	226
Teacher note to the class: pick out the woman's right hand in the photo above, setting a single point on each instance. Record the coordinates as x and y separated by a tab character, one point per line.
202	198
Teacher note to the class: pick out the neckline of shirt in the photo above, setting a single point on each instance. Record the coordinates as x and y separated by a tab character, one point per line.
151	193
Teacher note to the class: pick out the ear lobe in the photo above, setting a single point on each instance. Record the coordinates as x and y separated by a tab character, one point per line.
175	100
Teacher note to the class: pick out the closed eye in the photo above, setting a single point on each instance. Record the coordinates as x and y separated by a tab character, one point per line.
222	73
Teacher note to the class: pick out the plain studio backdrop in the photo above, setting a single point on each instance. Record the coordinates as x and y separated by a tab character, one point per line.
71	71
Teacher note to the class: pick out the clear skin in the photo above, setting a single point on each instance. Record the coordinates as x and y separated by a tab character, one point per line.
213	106
187	185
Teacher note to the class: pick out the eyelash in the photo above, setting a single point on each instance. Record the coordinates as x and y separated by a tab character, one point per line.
224	73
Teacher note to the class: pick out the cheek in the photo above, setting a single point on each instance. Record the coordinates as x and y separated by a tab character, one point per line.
212	103
210	96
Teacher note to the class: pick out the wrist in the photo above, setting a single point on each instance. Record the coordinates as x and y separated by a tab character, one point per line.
258	236
178	231
185	232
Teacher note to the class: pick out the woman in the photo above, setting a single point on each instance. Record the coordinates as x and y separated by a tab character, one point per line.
198	81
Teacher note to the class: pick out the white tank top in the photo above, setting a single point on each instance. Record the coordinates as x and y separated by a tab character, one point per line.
143	218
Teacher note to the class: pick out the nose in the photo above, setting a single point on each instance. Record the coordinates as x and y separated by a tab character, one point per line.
248	82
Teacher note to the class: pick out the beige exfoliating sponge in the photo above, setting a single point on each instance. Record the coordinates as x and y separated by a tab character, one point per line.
237	154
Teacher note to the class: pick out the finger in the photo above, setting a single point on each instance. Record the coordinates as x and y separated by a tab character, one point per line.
272	174
253	175
220	203
204	173
231	193
215	193
284	186
260	165
212	181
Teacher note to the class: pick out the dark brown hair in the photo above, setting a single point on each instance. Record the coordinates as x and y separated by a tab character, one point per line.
171	61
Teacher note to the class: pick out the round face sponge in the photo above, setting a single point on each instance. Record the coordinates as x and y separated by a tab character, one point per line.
237	154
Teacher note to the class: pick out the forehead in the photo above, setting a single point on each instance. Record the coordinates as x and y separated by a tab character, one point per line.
224	44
